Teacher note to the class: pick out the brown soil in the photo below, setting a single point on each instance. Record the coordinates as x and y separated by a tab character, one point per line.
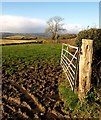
32	94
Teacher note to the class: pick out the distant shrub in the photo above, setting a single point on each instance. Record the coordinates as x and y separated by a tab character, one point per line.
28	38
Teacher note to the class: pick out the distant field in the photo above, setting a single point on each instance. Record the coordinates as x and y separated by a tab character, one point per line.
5	41
68	41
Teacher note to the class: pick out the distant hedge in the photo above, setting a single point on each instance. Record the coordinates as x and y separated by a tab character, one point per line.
94	34
67	36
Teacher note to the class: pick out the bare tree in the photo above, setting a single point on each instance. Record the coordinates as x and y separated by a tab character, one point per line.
54	26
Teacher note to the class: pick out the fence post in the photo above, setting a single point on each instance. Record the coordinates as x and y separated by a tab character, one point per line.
85	67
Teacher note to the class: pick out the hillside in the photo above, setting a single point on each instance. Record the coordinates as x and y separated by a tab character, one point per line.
8	34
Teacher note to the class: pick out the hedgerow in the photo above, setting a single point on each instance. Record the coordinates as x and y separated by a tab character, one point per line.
95	35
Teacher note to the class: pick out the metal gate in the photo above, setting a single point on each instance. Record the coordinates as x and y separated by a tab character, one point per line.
69	58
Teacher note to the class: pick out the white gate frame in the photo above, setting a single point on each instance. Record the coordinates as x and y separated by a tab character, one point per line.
68	66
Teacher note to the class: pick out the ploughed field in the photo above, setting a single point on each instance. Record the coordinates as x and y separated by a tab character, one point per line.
31	76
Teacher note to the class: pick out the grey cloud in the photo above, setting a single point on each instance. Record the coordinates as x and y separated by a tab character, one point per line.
21	24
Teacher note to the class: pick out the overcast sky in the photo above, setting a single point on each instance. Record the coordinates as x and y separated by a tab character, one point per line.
31	17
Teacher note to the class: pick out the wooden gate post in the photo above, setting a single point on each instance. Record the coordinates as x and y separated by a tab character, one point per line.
85	67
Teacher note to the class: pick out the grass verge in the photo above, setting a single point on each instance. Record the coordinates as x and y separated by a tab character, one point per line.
90	108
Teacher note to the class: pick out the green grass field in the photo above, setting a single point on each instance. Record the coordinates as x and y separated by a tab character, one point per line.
31	52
